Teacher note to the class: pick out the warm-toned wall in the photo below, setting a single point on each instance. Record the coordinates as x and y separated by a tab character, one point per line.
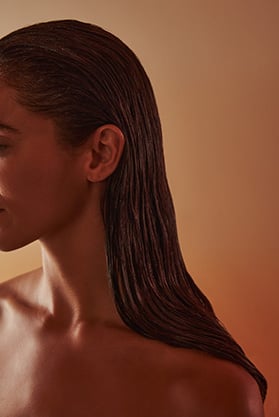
214	66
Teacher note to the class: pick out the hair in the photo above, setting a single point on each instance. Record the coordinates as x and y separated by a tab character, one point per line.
84	77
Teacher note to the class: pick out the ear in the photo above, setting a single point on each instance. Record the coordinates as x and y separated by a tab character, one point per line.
106	145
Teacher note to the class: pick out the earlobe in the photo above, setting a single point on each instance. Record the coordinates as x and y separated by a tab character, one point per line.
106	147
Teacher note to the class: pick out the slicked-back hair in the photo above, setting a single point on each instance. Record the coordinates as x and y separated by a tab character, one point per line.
84	77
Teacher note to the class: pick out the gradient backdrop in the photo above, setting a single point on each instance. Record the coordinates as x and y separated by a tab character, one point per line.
214	67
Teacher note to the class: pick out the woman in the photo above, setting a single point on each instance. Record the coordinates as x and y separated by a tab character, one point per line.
112	324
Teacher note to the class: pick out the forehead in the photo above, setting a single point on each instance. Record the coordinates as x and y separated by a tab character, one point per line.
7	109
11	112
15	118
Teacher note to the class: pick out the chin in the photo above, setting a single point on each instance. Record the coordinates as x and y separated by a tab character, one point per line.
9	246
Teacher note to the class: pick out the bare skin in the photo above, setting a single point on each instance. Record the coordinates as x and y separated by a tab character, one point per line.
64	350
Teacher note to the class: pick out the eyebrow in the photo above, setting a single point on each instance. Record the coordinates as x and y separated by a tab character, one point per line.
8	128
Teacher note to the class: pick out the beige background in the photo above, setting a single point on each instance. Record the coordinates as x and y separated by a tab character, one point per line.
214	66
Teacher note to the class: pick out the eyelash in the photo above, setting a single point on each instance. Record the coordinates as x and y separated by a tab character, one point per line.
3	147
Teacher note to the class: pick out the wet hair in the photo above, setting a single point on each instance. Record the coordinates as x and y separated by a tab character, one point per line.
84	77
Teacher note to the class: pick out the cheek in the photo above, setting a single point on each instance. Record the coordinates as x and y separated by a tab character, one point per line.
37	200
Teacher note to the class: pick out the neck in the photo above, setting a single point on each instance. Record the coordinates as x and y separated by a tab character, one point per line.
75	284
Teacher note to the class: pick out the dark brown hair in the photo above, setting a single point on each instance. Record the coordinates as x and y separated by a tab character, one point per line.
84	77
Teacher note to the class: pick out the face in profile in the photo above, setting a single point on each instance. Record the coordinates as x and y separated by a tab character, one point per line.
42	187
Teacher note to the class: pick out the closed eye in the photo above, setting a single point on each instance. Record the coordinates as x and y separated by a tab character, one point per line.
4	147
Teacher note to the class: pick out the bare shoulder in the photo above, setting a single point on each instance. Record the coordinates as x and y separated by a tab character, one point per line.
14	282
17	290
213	387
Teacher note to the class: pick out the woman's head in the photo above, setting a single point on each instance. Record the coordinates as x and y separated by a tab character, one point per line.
82	77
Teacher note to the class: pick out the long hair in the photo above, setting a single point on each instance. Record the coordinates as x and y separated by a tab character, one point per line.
84	77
